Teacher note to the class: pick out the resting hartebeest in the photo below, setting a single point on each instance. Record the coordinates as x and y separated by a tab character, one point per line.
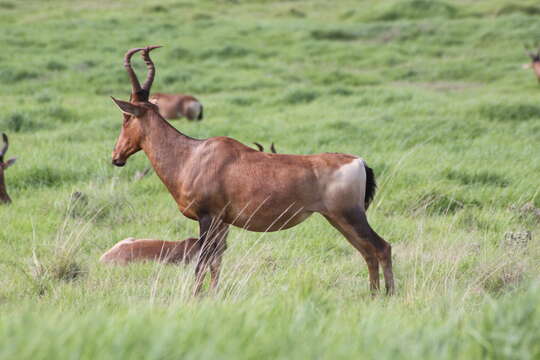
4	197
534	64
220	182
175	106
131	249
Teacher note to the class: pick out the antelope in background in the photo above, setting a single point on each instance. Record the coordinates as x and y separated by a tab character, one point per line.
175	106
221	182
4	197
169	252
261	148
534	64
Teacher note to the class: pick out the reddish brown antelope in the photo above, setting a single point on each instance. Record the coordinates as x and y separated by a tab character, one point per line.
220	182
175	106
534	64
4	197
131	249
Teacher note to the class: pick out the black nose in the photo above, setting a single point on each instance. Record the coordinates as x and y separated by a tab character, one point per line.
118	162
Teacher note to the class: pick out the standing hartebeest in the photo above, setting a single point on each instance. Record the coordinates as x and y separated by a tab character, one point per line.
4	197
175	106
169	252
220	182
534	64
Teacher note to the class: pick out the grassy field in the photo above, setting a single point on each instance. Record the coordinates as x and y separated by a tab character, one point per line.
430	93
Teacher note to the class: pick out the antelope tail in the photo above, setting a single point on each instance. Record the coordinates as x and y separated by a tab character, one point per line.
371	186
200	117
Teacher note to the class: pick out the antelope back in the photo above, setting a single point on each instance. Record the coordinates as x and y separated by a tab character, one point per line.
131	249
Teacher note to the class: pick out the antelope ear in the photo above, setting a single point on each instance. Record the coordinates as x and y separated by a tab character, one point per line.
128	108
10	162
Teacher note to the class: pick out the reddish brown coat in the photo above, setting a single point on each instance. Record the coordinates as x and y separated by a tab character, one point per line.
534	64
131	249
176	106
221	182
4	197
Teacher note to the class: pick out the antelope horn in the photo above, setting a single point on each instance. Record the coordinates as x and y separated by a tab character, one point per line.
259	146
4	148
528	52
135	86
150	66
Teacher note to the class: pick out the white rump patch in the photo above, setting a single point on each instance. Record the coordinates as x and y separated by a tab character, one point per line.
348	185
195	108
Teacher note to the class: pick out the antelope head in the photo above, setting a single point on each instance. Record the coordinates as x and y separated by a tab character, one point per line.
135	110
4	197
535	63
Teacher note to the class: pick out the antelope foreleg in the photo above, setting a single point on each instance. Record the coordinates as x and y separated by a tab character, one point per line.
213	235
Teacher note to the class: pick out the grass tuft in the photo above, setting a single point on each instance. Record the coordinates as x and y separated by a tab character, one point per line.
300	96
19	122
43	176
519	9
244	101
477	178
226	52
9	76
418	9
55	66
7	5
334	35
510	112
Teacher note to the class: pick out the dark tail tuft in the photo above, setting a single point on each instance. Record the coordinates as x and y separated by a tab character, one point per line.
371	186
200	117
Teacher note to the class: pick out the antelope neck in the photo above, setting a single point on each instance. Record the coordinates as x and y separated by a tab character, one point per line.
4	197
166	148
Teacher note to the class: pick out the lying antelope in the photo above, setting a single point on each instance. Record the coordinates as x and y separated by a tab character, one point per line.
175	106
220	182
261	148
131	249
534	64
4	197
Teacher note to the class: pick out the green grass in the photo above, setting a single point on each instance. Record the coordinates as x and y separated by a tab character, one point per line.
430	93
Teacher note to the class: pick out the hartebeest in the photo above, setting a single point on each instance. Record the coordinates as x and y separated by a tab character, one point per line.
131	249
220	182
261	148
175	106
534	64
4	197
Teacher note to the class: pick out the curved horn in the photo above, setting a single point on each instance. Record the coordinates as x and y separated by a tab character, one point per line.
150	66
4	148
259	146
529	53
135	86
